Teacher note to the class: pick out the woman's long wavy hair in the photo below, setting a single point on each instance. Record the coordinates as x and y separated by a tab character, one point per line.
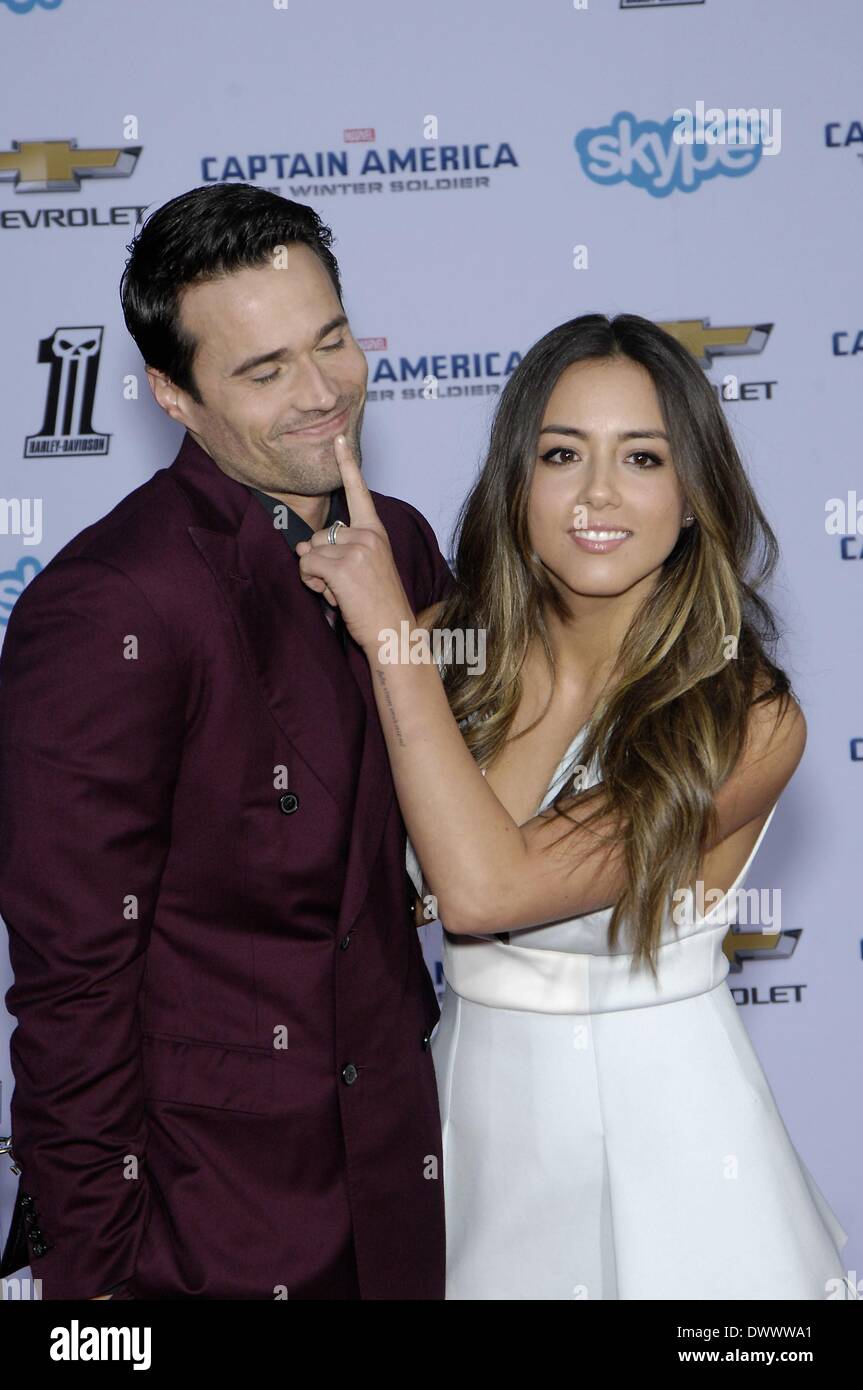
671	729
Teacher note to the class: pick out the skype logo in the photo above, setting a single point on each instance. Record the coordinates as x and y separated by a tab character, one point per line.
25	6
646	154
14	582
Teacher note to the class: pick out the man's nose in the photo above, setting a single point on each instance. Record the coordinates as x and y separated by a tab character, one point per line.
311	388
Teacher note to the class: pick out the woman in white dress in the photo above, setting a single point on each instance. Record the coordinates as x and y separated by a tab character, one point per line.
576	801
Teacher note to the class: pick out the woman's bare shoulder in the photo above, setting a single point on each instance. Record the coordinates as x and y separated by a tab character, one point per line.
777	729
773	746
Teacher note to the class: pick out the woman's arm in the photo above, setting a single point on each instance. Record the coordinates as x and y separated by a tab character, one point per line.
488	873
491	875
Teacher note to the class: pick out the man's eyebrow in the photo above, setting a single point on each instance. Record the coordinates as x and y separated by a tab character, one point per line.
624	434
277	354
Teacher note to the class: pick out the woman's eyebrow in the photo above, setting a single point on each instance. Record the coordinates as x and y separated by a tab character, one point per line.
624	434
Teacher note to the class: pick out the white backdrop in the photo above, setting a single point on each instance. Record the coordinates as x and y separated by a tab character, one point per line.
450	148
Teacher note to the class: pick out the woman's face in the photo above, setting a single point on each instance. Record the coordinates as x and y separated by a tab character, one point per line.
603	466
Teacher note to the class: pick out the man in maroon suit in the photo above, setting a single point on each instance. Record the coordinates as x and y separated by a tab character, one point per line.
223	1082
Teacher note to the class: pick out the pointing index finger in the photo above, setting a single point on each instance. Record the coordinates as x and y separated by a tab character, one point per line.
361	507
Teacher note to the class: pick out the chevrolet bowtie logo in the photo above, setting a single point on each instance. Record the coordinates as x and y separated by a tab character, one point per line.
740	945
58	166
705	342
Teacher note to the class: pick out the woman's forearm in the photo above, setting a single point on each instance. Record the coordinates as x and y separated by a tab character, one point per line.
465	840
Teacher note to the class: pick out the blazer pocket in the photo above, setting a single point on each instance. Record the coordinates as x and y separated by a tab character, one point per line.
203	1073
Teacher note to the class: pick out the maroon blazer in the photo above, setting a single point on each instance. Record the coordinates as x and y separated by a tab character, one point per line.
223	1082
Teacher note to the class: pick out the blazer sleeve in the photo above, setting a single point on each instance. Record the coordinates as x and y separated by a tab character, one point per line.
92	712
433	578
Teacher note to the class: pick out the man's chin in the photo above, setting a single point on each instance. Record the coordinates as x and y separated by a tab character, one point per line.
317	455
312	464
304	480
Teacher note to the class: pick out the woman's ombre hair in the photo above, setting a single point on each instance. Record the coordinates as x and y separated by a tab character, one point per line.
671	728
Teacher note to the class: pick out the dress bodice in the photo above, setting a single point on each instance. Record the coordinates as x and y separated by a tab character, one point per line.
568	967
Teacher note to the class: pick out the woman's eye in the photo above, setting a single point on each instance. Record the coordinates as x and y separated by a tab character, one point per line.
549	457
561	455
262	380
331	347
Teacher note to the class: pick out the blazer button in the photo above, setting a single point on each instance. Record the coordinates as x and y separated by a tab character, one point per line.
345	942
289	803
426	1040
349	1074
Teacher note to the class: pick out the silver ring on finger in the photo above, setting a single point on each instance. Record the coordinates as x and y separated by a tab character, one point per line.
332	532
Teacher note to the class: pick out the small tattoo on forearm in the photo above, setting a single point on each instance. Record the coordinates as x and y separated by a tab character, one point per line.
383	680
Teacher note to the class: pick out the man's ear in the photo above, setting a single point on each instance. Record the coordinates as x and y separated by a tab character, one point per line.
167	395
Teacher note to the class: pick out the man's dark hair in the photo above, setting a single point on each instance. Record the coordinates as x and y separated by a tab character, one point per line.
198	236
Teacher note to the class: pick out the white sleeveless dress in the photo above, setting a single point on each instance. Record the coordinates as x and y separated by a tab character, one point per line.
605	1138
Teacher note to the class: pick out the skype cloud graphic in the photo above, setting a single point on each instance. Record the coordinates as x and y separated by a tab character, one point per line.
13	583
648	155
25	6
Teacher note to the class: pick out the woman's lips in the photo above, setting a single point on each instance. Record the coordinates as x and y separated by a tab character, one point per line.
599	540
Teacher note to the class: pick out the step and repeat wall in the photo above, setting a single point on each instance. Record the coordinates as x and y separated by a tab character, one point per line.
490	170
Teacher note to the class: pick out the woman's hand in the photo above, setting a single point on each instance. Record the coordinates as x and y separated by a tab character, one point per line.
358	572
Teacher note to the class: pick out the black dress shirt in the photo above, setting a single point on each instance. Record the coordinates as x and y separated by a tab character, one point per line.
298	530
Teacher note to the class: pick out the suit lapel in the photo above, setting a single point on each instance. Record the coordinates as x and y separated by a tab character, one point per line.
292	653
294	656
